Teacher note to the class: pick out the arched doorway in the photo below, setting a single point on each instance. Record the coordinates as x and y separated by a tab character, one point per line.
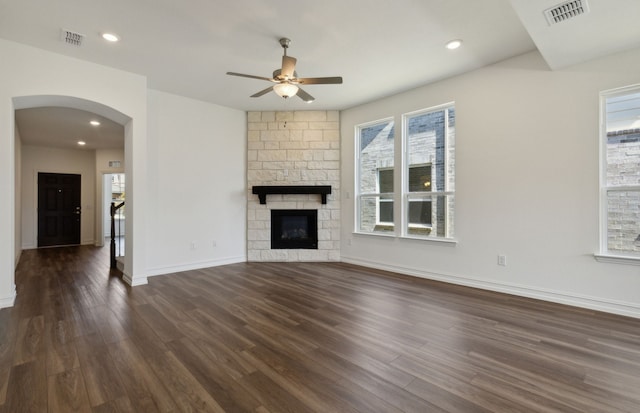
93	209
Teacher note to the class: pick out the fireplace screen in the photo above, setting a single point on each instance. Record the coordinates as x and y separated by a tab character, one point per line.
294	229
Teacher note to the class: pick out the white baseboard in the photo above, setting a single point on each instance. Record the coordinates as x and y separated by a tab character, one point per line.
575	300
6	302
134	282
195	265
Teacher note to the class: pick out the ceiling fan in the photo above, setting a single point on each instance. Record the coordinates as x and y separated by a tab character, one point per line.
286	79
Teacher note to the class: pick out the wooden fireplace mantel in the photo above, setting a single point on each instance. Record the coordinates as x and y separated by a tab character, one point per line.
263	191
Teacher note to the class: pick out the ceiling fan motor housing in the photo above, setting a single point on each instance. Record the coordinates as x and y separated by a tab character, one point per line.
284	42
277	75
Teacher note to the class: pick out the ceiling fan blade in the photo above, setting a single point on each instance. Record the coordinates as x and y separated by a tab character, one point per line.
262	92
250	76
305	96
288	66
320	80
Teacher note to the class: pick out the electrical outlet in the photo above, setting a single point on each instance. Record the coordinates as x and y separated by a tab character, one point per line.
214	244
502	260
192	245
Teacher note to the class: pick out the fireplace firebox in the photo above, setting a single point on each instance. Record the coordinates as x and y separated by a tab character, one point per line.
294	229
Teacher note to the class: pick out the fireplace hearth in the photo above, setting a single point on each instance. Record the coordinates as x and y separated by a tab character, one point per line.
294	229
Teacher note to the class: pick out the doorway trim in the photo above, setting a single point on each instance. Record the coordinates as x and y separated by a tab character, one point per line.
134	272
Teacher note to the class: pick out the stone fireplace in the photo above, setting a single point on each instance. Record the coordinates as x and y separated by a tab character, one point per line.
292	150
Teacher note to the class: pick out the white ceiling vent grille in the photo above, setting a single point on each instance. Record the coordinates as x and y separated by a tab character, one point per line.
566	11
72	38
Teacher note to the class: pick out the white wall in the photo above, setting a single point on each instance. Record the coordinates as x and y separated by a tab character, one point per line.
67	161
526	184
18	197
185	186
26	72
197	193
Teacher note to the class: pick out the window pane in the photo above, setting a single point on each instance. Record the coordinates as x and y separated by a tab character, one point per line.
420	212
420	178
385	181
623	222
376	153
429	143
376	214
623	157
386	211
623	112
623	140
431	215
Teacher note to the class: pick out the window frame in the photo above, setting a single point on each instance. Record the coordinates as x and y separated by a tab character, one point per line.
604	254
407	196
401	197
359	195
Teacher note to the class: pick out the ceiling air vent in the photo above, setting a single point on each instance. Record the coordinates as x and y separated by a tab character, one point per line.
566	11
72	38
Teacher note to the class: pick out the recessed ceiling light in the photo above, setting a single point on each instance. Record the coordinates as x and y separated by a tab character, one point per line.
454	44
95	123
82	143
110	37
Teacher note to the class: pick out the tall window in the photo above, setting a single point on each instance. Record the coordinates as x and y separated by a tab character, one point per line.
426	195
620	173
375	176
429	159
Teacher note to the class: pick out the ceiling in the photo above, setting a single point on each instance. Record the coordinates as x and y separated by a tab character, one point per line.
379	47
63	127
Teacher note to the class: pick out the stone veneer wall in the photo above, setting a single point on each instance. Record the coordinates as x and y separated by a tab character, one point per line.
293	148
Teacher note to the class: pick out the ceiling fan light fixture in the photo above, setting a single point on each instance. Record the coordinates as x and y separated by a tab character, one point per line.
285	90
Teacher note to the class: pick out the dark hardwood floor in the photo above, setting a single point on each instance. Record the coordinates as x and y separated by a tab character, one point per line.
299	337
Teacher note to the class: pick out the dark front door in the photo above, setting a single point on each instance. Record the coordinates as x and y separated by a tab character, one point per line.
58	209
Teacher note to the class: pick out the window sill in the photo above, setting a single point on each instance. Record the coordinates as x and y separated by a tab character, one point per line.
417	238
376	234
431	239
617	259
